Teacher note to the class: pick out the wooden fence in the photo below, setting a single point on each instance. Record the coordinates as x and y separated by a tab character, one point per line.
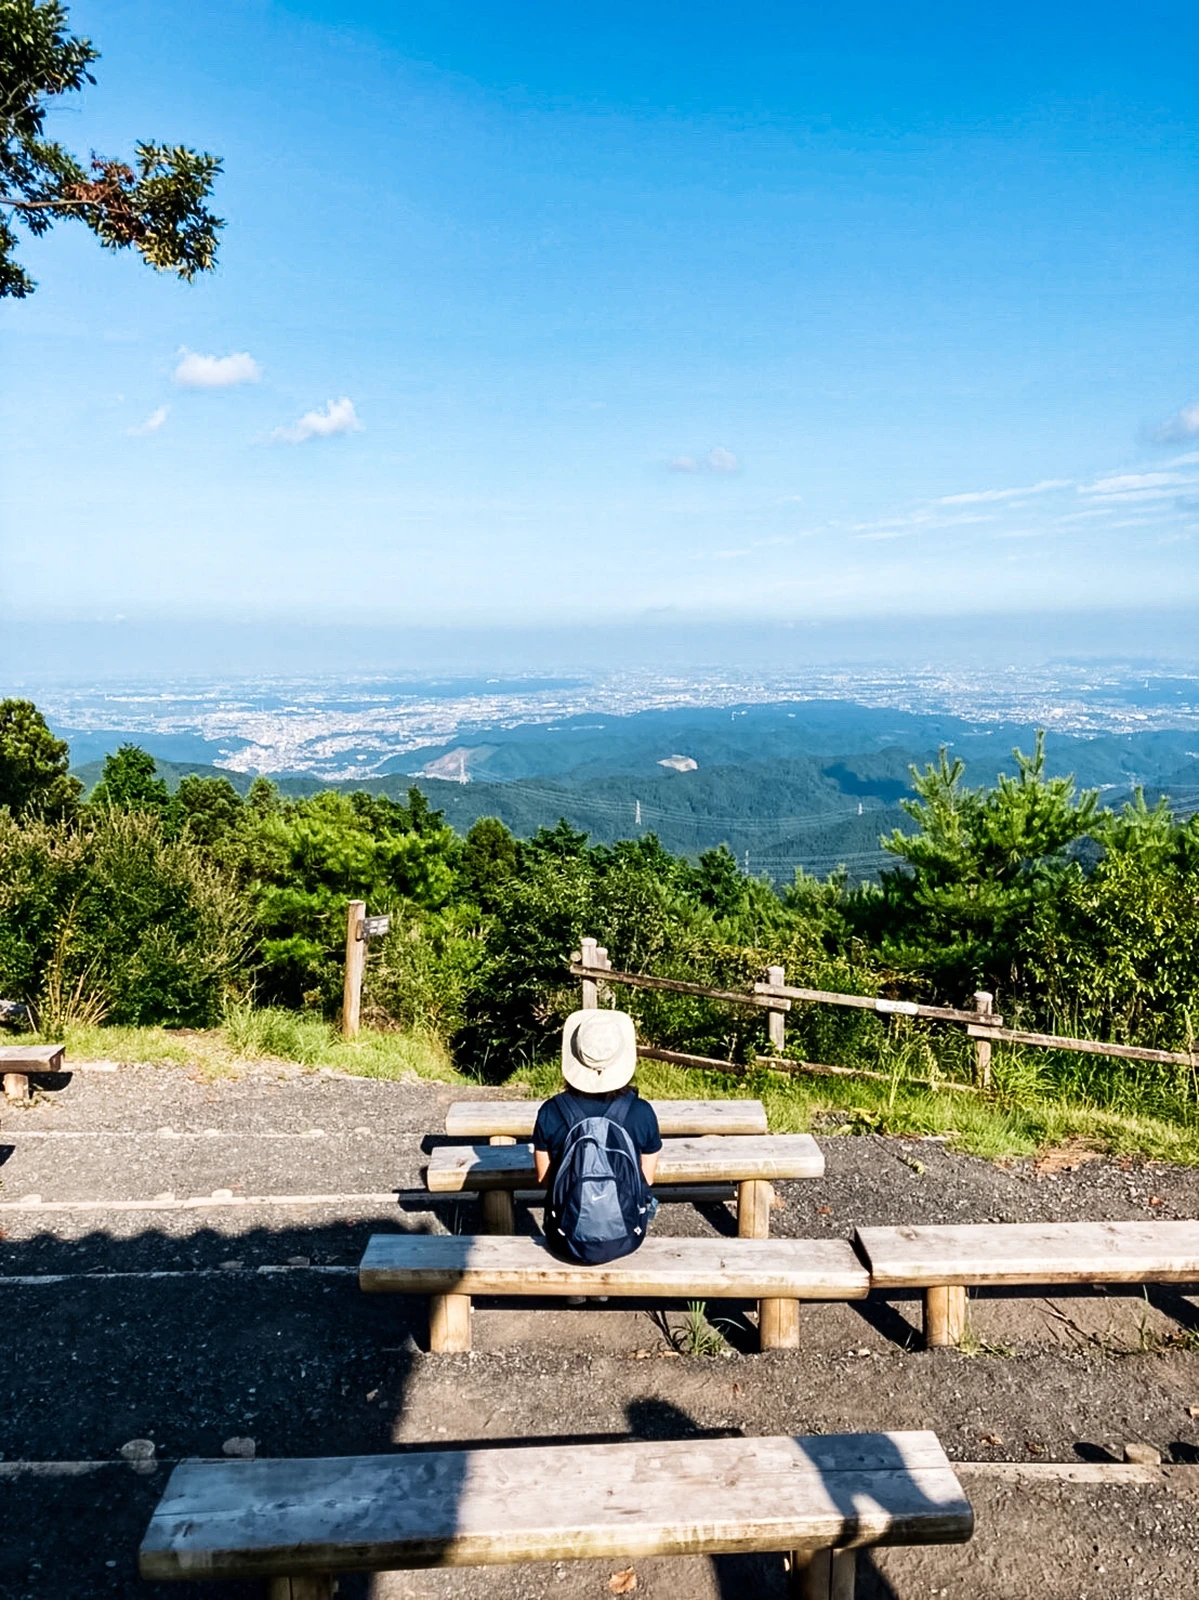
775	996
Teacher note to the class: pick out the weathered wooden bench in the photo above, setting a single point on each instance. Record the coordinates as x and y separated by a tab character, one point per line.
944	1261
514	1119
450	1268
749	1162
19	1061
296	1523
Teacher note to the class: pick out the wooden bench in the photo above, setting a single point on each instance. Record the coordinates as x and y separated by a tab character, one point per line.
19	1061
297	1523
944	1261
514	1119
450	1268
751	1163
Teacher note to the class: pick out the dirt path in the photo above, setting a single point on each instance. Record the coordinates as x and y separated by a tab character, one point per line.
207	1319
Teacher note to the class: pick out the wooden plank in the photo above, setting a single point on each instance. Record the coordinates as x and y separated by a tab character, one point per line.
715	1159
485	1119
245	1519
643	980
705	1268
1090	1047
870	1002
680	1058
33	1057
1032	1252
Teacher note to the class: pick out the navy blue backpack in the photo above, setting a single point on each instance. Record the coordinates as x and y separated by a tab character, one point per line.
599	1201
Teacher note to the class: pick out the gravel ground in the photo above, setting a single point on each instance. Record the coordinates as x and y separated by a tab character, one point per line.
212	1348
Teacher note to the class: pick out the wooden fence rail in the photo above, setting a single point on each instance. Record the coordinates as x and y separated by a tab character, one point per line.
775	996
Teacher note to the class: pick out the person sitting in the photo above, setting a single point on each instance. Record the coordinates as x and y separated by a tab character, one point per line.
596	1144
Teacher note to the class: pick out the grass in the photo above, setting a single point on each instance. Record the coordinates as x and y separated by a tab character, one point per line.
263	1036
1022	1119
698	1337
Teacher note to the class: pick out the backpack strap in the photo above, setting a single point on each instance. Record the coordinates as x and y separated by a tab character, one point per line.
616	1110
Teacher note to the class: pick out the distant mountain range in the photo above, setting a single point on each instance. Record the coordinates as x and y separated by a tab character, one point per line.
811	783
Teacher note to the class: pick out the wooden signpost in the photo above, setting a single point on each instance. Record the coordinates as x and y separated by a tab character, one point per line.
360	929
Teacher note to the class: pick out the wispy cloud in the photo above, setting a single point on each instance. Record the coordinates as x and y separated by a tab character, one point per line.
978	495
216	372
1181	426
338	416
1125	488
774	543
717	459
151	425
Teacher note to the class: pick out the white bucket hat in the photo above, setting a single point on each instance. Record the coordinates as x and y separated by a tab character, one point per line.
599	1051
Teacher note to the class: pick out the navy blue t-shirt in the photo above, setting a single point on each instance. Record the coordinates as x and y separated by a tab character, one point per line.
553	1123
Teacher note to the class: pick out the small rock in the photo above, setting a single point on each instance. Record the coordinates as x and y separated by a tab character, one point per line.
299	1261
139	1453
243	1449
222	1194
232	1266
1142	1455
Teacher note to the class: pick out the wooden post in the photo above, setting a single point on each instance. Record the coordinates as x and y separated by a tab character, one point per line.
449	1323
351	1004
499	1205
983	1005
305	1586
588	951
778	1324
753	1209
776	1021
16	1086
944	1315
822	1574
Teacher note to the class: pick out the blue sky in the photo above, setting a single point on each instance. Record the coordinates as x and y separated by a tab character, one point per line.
536	314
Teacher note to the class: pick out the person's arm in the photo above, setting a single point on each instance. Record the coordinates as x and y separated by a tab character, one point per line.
541	1164
650	1141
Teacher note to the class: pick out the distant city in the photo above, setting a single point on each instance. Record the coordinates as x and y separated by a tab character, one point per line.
345	728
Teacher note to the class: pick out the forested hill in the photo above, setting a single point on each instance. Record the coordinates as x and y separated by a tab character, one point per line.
813	787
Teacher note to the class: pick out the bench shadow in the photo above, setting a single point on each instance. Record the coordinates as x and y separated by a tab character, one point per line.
878	1310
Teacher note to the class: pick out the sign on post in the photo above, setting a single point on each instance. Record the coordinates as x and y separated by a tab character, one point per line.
359	929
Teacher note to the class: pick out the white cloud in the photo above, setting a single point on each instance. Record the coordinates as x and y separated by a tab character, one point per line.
152	423
1182	425
337	417
977	495
684	464
1141	485
216	372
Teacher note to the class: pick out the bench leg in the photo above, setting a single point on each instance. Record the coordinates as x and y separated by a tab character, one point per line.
499	1211
944	1314
778	1324
449	1323
822	1574
310	1586
16	1086
753	1209
499	1205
